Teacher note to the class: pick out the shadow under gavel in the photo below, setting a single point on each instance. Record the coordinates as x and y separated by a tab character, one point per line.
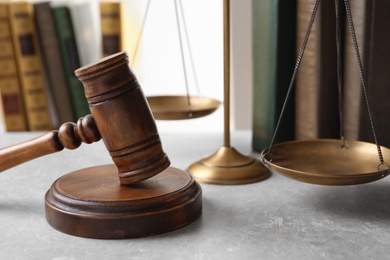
120	115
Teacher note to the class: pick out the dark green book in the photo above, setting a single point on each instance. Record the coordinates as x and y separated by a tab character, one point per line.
70	58
273	39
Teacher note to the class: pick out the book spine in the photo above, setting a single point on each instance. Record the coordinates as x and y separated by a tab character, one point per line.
316	83
273	62
264	68
286	59
352	82
70	58
87	30
111	27
376	66
328	108
52	62
306	98
11	95
29	66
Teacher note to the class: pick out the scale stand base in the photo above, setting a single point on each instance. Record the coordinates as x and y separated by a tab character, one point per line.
228	167
92	203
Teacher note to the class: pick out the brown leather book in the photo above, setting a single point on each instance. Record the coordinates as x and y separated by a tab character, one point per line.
111	19
52	62
316	83
11	94
29	65
372	30
352	83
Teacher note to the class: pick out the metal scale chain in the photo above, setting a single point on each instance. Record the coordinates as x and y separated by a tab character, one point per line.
339	73
297	64
136	50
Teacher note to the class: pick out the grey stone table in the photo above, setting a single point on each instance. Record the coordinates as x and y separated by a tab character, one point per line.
278	218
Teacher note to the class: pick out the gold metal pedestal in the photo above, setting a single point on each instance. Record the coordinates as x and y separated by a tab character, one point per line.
228	167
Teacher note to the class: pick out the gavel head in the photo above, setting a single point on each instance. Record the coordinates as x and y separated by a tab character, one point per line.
123	118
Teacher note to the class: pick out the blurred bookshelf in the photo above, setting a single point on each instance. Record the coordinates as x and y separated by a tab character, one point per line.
158	64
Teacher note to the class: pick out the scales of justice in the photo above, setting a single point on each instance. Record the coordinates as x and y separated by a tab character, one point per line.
141	194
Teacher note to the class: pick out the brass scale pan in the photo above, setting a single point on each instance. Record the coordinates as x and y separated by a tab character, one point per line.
178	107
329	161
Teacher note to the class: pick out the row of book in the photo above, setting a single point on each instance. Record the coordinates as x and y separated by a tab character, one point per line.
41	44
312	110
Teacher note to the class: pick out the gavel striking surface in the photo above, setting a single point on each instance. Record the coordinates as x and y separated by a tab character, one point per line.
93	203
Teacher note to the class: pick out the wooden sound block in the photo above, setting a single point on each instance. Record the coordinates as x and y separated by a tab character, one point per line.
93	203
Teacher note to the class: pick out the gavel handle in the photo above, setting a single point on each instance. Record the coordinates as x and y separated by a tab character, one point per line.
69	135
26	151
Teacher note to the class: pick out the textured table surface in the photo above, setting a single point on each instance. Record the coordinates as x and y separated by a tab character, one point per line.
278	218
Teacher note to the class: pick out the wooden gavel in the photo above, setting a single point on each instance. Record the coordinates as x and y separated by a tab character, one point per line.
120	115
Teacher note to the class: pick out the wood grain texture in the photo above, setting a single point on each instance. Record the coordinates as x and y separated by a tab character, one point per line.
93	203
70	136
123	118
